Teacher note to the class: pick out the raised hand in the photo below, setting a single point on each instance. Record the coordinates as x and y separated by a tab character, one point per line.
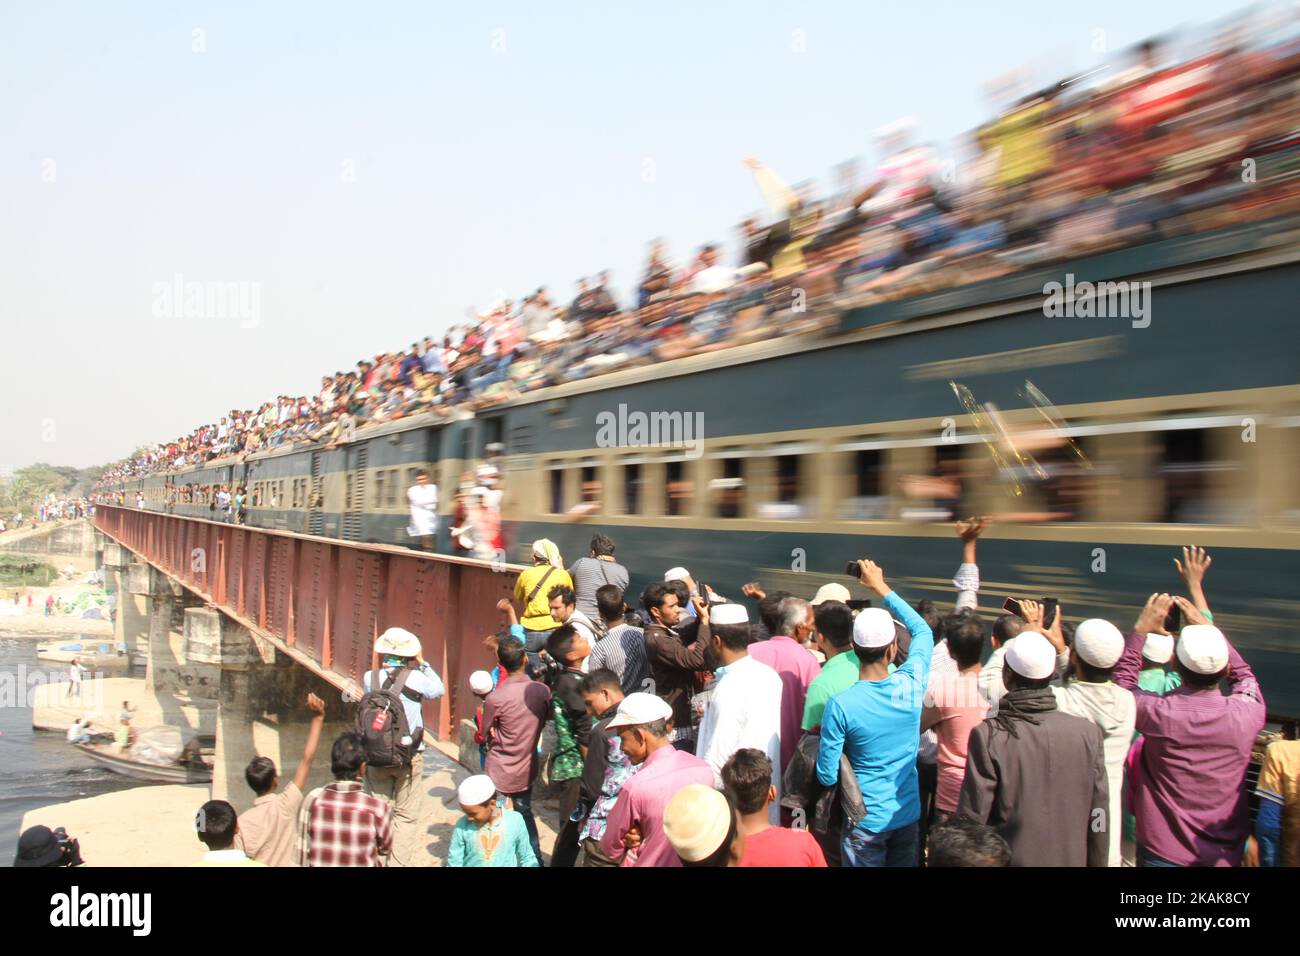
753	590
1196	561
1191	613
1032	612
315	705
872	576
1152	618
971	529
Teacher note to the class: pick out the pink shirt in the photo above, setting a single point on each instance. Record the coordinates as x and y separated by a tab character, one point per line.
641	803
953	707
797	668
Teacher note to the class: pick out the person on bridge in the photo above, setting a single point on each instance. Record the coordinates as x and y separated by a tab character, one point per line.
532	594
266	828
398	649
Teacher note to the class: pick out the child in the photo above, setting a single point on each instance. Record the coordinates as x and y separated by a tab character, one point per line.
481	683
488	835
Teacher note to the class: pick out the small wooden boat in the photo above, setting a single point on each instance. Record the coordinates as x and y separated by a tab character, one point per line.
122	762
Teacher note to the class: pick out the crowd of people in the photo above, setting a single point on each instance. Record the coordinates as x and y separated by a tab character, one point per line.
50	508
1164	146
696	730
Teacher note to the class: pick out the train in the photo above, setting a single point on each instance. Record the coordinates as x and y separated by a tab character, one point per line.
780	460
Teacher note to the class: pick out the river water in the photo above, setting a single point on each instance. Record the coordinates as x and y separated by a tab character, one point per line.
37	767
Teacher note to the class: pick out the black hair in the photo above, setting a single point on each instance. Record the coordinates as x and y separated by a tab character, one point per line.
602	544
216	824
769	610
1092	674
679	588
930	613
511	655
421	472
347	755
834	622
653	596
746	778
600	679
1006	627
872	655
1199	681
560	642
965	635
609	602
722	855
963	842
734	636
260	774
1021	682
564	592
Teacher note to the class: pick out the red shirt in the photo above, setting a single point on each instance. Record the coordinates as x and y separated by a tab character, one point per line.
777	846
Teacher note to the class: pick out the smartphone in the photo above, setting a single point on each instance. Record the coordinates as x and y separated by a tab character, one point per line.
858	604
853	571
1174	619
1049	609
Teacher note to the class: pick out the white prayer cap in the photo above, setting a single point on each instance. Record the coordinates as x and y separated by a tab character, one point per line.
1203	649
1098	642
728	614
1159	648
639	708
1031	655
873	628
480	682
476	790
831	592
676	574
696	822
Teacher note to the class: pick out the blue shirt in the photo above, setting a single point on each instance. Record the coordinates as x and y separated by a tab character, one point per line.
424	681
878	725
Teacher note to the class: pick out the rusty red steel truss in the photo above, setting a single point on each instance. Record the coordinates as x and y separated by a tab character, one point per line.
323	601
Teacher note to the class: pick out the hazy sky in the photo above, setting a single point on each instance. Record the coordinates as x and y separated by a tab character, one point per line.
372	169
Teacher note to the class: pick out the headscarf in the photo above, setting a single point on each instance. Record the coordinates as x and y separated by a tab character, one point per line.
1023	704
544	549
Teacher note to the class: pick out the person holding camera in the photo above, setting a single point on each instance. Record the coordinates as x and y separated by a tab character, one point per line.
42	847
568	647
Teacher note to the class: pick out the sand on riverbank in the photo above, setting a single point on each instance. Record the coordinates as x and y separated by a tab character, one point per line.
144	826
101	698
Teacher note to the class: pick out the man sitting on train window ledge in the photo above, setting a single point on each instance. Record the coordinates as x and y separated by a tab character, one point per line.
423	499
398	648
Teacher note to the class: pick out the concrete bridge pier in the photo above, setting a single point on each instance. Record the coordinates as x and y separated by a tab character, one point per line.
262	704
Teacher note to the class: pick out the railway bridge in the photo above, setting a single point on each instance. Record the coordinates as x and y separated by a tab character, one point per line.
254	619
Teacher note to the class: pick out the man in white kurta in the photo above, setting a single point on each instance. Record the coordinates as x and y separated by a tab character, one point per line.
745	706
423	498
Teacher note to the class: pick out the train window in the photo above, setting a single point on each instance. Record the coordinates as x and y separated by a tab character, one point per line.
937	496
787	479
730	488
590	485
494	431
632	489
1190	492
678	488
521	439
557	491
381	479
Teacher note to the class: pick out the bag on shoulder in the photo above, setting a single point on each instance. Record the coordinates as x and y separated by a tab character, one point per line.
382	723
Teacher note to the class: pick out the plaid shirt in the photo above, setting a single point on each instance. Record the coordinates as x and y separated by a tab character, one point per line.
342	825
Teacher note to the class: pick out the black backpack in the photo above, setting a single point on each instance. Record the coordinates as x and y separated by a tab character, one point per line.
381	721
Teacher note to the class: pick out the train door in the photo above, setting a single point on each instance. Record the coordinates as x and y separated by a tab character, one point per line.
316	497
354	503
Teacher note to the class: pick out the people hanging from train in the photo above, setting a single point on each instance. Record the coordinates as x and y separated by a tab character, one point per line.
423	500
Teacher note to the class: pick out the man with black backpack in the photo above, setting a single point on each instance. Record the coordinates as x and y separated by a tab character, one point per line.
391	722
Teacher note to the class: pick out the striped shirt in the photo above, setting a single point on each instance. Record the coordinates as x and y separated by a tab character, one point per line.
622	650
342	825
591	573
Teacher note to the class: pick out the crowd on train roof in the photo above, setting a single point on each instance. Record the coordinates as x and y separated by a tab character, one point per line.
1180	137
776	731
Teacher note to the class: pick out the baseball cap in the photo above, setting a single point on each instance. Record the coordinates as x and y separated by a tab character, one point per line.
831	592
639	708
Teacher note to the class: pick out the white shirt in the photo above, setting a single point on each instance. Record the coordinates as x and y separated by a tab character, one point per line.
744	711
424	508
714	279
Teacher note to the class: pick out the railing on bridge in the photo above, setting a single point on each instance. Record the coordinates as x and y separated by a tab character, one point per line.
324	601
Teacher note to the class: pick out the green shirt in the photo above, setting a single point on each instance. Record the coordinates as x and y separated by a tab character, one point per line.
838	675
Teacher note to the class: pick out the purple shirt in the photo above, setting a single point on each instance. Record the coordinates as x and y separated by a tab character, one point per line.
517	709
641	804
797	668
1187	783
